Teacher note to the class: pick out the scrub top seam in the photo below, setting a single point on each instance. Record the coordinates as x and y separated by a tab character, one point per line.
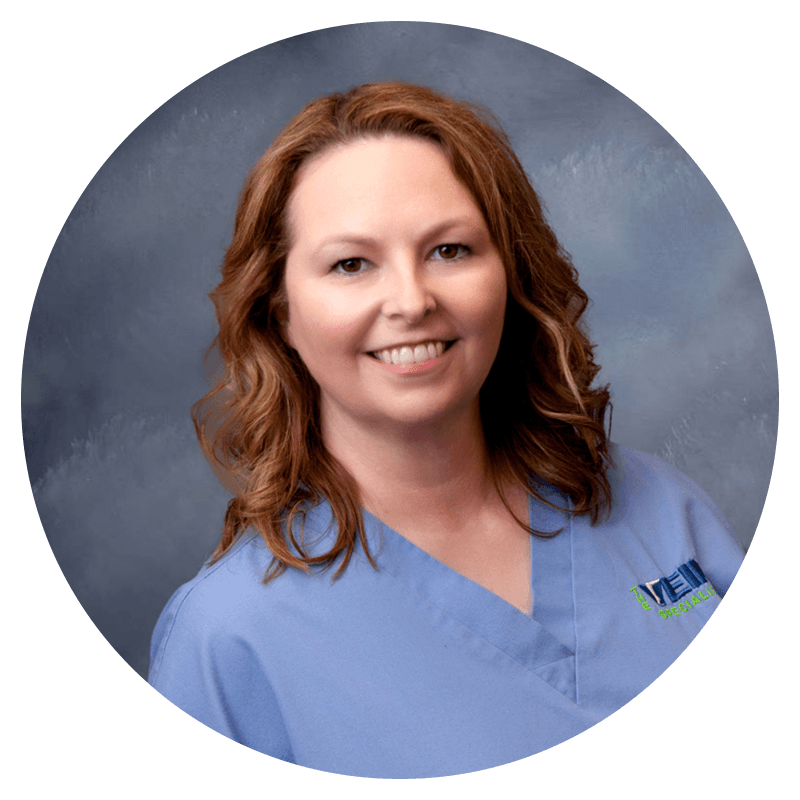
205	571
475	633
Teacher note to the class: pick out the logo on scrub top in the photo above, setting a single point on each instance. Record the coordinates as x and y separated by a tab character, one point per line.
670	589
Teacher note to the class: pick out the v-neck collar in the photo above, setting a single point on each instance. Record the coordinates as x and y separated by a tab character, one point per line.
544	642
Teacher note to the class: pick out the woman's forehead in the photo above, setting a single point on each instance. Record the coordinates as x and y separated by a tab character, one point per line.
360	154
369	181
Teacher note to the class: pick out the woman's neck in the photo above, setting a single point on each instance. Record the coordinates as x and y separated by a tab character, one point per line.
431	475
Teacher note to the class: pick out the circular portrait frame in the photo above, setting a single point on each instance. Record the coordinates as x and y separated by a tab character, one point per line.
143	432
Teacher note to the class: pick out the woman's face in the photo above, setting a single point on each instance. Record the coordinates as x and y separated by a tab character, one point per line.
396	292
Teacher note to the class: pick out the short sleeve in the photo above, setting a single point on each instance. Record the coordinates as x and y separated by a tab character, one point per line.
211	672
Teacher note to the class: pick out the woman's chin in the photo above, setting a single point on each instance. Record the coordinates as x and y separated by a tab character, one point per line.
405	418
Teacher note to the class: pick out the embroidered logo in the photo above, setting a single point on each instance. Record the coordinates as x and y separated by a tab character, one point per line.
687	578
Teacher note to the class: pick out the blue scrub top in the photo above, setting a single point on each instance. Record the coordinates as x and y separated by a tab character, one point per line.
415	671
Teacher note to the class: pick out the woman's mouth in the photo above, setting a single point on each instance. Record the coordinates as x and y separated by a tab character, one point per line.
412	354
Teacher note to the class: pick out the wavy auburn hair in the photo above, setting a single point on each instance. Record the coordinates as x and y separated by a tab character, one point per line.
260	423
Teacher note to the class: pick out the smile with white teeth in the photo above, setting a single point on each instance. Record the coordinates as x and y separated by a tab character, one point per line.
411	355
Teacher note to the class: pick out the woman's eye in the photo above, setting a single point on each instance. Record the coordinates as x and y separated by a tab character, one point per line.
450	252
350	266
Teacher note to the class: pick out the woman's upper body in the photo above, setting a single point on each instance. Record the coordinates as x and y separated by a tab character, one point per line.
407	396
414	670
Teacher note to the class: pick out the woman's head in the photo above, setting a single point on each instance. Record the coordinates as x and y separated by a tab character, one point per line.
538	410
390	256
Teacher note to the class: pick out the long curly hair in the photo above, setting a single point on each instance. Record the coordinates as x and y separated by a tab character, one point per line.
259	425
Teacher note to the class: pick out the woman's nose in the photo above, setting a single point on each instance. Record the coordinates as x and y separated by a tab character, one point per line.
408	295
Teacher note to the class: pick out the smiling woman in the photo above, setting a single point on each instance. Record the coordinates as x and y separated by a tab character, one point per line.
377	210
408	397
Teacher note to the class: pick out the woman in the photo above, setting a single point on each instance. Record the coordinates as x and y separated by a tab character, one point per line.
434	561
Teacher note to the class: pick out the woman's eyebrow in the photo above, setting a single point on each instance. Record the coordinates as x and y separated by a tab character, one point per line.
364	240
452	224
346	239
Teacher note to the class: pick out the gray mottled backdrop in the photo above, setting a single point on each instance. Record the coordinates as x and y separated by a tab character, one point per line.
113	355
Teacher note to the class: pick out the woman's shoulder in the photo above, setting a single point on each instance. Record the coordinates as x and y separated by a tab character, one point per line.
220	589
634	475
226	602
656	507
230	595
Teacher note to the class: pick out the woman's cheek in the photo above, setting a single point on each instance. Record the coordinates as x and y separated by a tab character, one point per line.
485	303
356	314
336	312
